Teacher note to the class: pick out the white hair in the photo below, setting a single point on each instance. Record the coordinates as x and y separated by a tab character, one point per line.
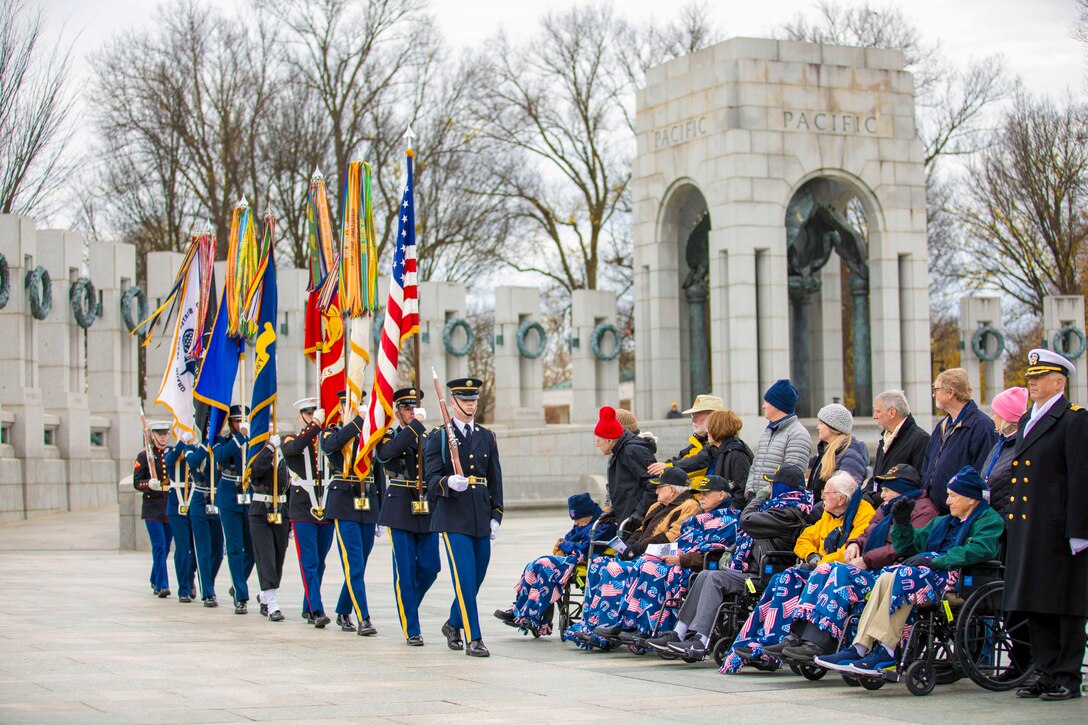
678	489
896	399
842	482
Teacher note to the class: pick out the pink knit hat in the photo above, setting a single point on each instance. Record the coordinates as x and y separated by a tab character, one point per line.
1010	404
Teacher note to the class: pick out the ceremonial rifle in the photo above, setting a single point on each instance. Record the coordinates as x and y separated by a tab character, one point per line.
448	423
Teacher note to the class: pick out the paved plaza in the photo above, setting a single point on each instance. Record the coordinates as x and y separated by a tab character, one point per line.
83	640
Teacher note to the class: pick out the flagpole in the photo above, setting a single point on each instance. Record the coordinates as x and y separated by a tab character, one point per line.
421	503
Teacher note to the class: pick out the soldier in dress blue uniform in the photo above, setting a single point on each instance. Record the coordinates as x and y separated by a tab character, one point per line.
305	507
181	527
268	480
467	510
204	519
355	527
151	480
232	504
415	546
1046	572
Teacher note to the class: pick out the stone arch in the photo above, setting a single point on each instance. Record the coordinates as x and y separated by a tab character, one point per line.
684	229
833	226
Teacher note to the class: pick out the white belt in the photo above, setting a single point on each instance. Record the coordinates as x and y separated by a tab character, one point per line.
307	485
268	498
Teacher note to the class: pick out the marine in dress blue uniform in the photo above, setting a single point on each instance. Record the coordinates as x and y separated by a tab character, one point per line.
152	481
269	524
181	528
204	519
416	562
467	510
233	505
313	531
355	528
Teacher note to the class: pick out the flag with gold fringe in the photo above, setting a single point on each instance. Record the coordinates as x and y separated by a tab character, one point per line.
265	297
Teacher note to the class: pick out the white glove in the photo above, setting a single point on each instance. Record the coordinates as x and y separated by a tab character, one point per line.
1078	545
274	440
154	484
420	415
494	529
378	531
457	483
243	428
186	437
319	416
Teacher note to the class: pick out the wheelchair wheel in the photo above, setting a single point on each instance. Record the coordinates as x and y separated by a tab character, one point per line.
946	664
986	641
812	673
871	683
851	681
721	649
666	655
921	678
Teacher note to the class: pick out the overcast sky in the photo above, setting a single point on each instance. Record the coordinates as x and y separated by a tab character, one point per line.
1033	34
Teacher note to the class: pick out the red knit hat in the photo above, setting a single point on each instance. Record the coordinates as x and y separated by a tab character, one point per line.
608	426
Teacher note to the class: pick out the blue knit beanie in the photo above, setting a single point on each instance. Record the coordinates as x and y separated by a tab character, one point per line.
581	505
783	396
967	482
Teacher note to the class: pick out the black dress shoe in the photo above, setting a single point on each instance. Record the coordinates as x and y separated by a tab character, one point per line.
791	640
476	648
155	591
343	621
184	599
264	609
1033	690
241	608
365	627
1056	693
605	631
506	616
210	602
804	651
320	620
308	617
453	636
416	640
275	616
164	593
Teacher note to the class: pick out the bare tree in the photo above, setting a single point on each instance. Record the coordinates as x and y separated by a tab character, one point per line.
1026	210
35	106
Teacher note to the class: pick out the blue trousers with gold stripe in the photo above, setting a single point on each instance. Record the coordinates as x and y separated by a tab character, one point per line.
312	544
355	540
415	567
468	557
208	539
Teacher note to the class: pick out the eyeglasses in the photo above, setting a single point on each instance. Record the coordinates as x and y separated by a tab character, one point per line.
935	388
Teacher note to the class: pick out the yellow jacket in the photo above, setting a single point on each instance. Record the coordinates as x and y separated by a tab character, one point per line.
811	540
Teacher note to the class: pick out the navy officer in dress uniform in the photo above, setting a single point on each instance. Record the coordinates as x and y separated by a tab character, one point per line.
152	481
232	503
405	513
467	509
353	505
1046	572
268	520
306	508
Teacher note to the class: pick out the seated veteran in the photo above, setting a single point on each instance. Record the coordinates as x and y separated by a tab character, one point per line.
771	524
836	591
611	580
542	582
846	514
969	535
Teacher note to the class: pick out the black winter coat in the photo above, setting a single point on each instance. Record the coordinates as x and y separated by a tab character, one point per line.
999	476
732	460
1050	486
628	477
771	530
908	447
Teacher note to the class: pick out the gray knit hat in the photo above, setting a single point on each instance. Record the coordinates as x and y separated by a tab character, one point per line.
837	417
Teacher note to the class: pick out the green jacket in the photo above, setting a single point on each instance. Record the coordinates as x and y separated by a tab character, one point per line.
981	545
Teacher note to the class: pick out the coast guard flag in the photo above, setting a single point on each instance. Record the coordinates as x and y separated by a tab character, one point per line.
264	364
176	391
215	384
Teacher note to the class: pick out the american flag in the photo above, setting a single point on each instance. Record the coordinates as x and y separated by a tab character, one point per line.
401	322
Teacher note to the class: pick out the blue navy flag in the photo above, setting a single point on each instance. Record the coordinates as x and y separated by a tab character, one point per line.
264	364
215	384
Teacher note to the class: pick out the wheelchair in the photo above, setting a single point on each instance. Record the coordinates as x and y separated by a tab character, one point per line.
966	633
573	595
734	611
